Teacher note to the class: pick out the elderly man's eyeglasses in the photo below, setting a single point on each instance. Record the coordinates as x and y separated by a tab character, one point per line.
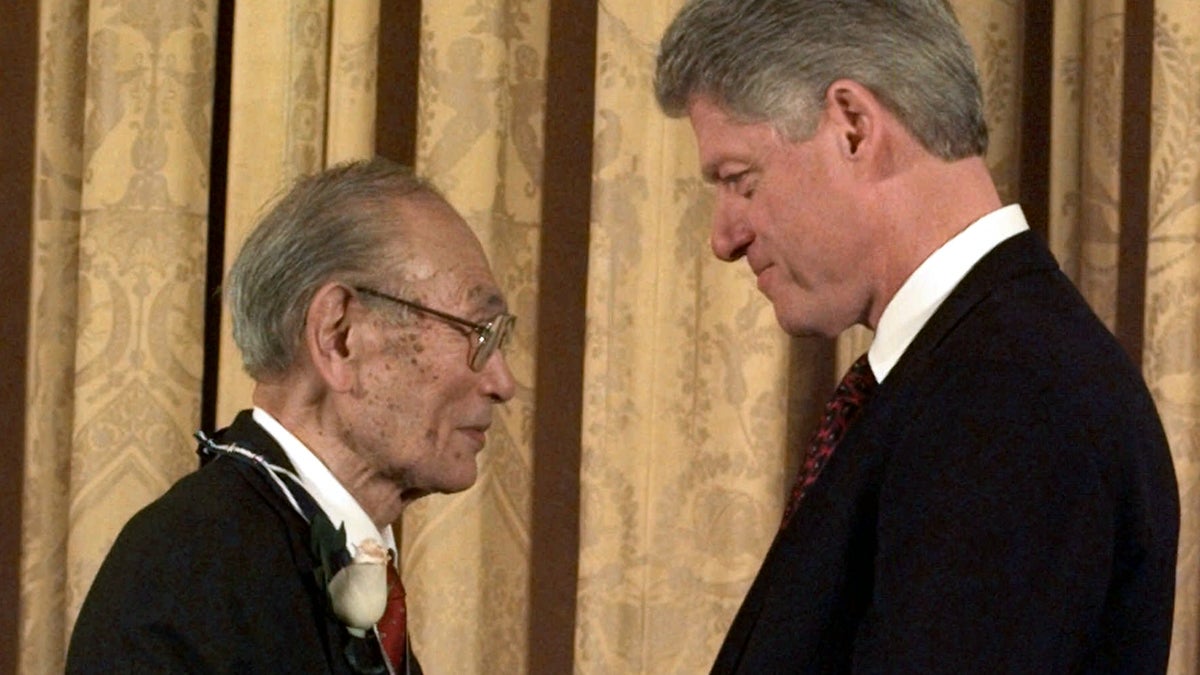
487	336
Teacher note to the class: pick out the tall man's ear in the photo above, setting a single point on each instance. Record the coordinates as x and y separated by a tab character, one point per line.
328	335
856	115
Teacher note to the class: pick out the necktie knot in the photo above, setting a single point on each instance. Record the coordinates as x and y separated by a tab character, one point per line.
841	411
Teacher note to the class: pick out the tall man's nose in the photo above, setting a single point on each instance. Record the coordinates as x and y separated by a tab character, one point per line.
731	233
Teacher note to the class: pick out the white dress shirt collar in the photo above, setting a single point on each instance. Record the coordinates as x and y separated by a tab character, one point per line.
929	285
337	503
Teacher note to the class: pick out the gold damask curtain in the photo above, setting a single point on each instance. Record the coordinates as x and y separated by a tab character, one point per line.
686	388
480	140
691	396
115	347
1171	358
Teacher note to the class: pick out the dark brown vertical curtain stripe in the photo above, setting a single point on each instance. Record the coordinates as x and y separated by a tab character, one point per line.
18	109
218	171
1036	85
812	360
566	216
1136	108
396	84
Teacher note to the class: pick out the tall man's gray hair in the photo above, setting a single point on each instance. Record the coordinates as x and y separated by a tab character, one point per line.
773	60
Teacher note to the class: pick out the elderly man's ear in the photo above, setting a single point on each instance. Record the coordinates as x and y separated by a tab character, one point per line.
332	337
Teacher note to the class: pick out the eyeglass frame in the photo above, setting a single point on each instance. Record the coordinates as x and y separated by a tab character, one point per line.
501	326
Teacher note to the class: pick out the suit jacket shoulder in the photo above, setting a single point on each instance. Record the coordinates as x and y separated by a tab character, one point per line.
1006	503
1027	496
214	576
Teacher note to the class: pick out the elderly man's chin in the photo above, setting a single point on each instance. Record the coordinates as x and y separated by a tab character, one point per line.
466	480
462	475
458	475
447	485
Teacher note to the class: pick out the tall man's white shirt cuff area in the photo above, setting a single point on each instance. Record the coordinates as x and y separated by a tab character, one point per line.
334	500
931	283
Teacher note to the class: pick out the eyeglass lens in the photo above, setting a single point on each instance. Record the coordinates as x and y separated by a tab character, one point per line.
496	335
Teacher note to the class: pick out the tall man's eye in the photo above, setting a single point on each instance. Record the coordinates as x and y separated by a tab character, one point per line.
740	182
731	179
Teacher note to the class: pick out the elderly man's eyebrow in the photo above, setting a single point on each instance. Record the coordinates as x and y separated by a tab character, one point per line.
491	302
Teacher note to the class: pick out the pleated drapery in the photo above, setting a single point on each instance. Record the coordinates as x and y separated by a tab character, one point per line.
1171	327
116	309
163	128
479	137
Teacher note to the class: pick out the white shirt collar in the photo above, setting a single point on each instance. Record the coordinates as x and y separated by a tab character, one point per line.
929	285
337	503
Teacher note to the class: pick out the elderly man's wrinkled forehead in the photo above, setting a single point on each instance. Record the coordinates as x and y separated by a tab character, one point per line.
433	240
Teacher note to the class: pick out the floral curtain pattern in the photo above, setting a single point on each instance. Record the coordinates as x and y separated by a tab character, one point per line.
277	131
1171	361
685	388
480	139
52	330
116	323
693	400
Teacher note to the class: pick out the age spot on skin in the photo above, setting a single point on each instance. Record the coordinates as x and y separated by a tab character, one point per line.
476	292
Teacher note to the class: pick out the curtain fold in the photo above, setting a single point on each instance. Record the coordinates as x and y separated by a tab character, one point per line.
693	401
1171	359
480	140
142	230
118	279
993	29
1098	86
52	329
277	132
353	54
1066	132
685	388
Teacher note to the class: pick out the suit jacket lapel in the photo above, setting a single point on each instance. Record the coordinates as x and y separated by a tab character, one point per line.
342	650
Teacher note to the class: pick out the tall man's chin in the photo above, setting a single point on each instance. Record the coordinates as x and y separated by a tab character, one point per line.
797	325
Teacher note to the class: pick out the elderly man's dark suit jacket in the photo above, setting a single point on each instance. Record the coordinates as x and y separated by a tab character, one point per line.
216	576
1005	504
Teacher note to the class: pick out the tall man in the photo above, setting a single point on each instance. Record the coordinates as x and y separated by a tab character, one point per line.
369	318
1005	500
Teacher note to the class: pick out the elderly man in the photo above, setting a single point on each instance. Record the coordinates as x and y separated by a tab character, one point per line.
369	318
990	490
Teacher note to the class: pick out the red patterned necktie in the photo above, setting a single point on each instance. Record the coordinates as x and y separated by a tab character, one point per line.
391	626
840	412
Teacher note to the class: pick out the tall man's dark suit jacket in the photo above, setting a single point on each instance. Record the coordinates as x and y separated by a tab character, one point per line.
1005	504
216	576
